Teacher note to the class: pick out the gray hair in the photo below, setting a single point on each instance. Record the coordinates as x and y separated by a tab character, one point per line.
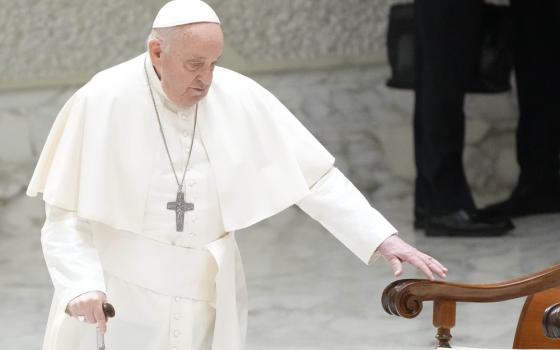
164	35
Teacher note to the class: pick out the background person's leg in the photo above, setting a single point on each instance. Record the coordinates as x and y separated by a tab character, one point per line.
447	49
537	72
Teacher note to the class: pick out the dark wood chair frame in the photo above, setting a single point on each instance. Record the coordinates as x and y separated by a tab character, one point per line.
405	298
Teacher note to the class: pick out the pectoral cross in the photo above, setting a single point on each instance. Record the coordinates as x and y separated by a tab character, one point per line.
180	207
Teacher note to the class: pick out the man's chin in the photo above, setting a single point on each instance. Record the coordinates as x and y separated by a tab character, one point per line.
191	101
196	98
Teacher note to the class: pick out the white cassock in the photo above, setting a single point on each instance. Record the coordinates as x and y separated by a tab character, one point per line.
106	179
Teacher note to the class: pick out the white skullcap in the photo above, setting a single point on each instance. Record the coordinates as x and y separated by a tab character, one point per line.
179	12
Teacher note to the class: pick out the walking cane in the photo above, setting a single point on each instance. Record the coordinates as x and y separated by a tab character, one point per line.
108	311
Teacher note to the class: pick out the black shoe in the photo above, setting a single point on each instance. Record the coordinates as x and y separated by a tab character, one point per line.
462	224
523	202
420	218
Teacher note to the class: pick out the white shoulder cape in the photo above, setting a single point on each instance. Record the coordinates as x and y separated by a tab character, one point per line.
98	157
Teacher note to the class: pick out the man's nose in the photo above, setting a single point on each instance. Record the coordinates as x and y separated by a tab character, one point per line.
205	77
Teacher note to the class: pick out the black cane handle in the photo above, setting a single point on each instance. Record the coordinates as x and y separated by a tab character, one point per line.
108	310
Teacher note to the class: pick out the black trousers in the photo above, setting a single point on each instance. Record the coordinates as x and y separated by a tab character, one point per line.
448	41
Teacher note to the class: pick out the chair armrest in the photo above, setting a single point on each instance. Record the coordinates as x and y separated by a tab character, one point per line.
405	297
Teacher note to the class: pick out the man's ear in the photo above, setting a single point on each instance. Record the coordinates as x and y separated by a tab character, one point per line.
154	48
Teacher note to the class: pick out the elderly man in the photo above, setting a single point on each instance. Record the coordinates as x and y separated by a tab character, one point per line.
148	171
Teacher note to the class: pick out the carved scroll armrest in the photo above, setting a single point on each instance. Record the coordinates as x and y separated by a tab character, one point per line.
405	297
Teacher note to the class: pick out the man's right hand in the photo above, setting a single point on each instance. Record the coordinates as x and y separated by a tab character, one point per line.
90	306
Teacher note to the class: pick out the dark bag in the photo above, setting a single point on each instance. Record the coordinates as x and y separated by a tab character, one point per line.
495	62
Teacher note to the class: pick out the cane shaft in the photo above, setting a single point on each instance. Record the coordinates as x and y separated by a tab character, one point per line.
108	311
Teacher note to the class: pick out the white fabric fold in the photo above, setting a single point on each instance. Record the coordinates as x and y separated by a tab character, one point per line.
164	268
231	295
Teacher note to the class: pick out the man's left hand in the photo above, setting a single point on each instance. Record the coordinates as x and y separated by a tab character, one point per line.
396	251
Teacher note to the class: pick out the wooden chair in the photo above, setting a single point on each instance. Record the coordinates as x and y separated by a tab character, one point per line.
405	298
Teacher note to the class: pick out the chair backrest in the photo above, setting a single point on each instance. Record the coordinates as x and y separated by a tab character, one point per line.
405	298
530	333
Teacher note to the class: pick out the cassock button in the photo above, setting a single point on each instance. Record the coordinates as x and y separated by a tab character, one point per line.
177	299
176	333
175	348
177	316
185	133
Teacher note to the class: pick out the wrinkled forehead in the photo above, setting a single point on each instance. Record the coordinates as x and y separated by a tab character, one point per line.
204	31
204	38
